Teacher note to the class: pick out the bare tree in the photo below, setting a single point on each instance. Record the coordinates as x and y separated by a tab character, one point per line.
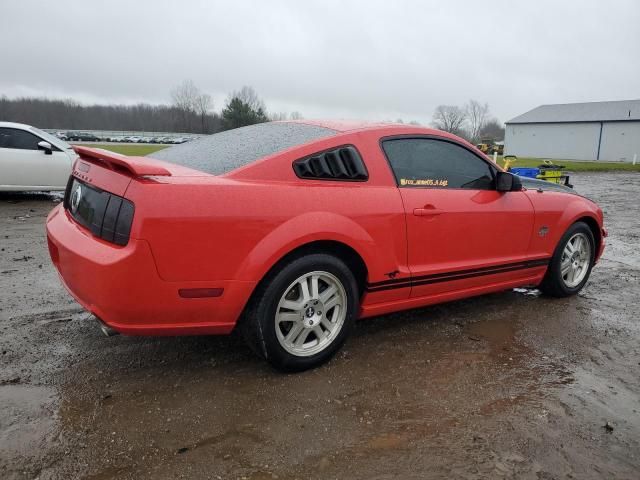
449	118
477	116
203	104
493	129
283	116
184	100
278	116
249	96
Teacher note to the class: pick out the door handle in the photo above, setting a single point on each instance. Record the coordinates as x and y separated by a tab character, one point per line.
427	211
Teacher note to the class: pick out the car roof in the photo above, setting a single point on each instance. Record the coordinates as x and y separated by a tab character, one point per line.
223	152
344	126
21	126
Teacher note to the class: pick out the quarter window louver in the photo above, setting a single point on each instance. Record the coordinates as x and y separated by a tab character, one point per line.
343	163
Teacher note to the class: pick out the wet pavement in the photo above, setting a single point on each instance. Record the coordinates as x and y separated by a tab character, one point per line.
508	385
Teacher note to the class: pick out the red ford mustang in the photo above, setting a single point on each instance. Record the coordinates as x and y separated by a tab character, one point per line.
289	231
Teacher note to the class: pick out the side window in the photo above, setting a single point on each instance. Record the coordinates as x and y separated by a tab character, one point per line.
14	138
426	162
5	137
23	140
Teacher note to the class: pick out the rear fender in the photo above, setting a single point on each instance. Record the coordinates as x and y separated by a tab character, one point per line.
301	230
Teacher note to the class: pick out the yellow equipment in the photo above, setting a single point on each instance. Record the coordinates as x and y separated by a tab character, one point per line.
508	161
488	147
483	147
552	173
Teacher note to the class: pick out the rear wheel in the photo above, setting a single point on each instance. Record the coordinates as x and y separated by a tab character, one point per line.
301	315
571	263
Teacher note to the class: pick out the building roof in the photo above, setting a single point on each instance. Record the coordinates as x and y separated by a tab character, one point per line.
582	112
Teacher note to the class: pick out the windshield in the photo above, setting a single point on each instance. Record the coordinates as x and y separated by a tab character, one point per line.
225	151
51	139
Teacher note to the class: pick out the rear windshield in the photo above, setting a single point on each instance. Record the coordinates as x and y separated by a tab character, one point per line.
225	151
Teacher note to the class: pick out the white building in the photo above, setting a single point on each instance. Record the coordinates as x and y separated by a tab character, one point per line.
606	131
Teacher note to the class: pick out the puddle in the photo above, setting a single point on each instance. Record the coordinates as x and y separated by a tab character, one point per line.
28	419
499	334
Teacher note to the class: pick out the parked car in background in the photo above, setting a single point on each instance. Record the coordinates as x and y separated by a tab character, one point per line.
289	231
61	135
82	137
31	159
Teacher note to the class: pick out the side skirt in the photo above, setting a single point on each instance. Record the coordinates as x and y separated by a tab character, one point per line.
374	309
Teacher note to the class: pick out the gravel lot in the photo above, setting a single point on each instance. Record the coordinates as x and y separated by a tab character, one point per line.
509	385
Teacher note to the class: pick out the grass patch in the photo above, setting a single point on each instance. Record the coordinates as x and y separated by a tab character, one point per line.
133	150
575	166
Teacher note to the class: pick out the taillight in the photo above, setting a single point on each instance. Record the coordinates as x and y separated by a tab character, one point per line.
123	224
106	215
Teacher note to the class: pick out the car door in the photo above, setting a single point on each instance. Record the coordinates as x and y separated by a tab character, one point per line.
462	233
24	164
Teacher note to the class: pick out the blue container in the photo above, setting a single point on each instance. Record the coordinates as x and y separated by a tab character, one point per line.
526	172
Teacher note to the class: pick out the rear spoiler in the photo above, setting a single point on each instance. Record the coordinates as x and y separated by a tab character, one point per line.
131	166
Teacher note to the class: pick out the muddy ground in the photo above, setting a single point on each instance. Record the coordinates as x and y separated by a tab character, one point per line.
504	386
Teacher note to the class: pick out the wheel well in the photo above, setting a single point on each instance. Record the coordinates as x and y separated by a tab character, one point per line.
344	252
595	229
340	250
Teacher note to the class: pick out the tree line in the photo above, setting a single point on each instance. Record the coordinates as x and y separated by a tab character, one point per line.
191	111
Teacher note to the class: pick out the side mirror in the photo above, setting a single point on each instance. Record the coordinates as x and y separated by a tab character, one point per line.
46	146
508	182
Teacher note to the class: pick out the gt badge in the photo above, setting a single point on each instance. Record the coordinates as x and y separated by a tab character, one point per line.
543	231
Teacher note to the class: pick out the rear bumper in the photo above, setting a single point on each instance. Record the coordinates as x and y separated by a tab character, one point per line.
121	286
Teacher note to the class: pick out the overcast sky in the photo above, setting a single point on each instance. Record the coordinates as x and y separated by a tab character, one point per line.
369	59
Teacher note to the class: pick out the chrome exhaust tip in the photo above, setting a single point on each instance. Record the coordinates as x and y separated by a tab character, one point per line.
106	329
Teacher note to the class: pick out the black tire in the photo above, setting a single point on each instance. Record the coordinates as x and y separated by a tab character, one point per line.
258	325
553	283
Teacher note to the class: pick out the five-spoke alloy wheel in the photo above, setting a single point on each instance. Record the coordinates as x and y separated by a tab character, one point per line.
311	313
571	263
576	260
302	312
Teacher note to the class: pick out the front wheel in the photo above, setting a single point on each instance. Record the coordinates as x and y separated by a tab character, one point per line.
571	263
302	314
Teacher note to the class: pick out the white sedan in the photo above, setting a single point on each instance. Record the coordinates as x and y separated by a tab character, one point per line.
33	160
